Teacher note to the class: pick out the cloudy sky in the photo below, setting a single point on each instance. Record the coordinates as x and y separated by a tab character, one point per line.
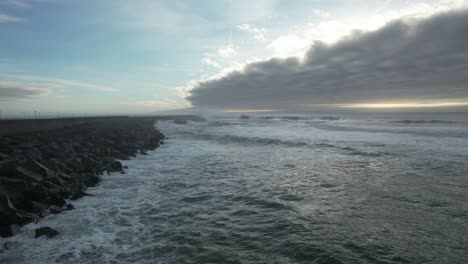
120	56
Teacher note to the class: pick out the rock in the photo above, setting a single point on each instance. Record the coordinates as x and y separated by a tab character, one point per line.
14	185
8	167
46	231
91	179
116	166
39	207
3	156
29	175
23	217
41	168
244	117
78	195
69	207
9	230
55	199
55	210
37	193
7	210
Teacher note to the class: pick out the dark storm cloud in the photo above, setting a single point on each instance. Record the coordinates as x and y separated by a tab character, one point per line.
412	60
11	91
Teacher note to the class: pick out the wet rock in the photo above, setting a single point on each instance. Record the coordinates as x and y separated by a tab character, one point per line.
91	179
55	210
39	170
78	195
69	207
9	230
55	199
117	166
22	217
46	231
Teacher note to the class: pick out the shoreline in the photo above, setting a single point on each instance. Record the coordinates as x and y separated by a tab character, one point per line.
43	163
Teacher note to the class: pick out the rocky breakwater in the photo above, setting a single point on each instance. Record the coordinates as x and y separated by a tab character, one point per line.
41	170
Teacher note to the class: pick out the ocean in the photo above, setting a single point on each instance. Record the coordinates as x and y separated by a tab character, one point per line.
343	188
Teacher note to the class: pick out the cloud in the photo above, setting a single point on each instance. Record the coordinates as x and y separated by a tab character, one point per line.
321	13
50	84
258	33
14	91
210	62
4	18
227	51
18	3
406	60
158	104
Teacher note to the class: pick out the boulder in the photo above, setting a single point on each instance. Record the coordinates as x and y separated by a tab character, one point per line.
55	199
15	185
29	175
7	210
46	231
55	210
116	166
43	170
9	230
37	193
8	167
3	156
78	195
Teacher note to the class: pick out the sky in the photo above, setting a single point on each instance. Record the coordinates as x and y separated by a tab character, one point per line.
88	57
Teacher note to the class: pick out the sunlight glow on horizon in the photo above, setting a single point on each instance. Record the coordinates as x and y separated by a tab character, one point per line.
406	105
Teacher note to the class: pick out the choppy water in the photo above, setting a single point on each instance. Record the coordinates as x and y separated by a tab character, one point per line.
361	189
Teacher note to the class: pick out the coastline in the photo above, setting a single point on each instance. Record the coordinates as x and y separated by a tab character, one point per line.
43	163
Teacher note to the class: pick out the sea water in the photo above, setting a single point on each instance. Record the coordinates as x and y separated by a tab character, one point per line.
275	189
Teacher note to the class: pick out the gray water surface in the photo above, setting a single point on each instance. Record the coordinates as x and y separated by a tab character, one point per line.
274	190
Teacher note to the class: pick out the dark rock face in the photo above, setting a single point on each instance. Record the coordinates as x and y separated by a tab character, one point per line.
46	231
40	170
